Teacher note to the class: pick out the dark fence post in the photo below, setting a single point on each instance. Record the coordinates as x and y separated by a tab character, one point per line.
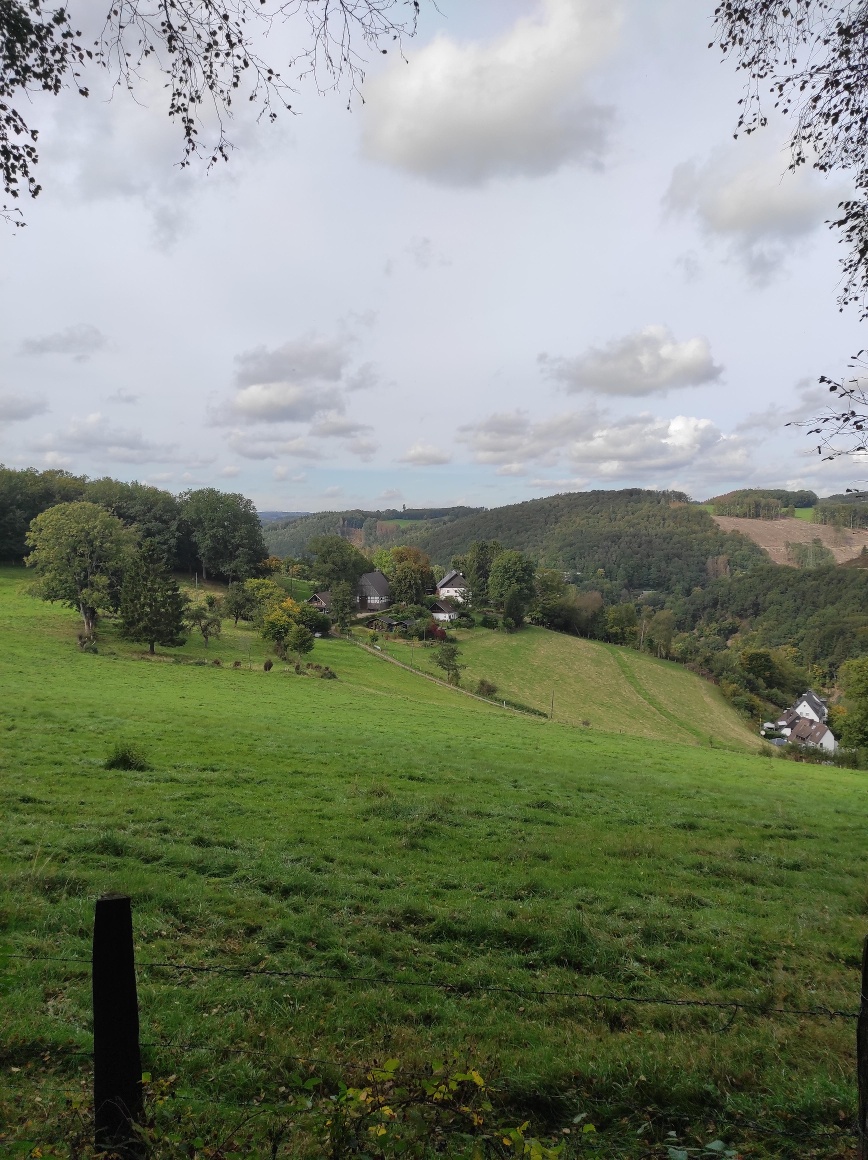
117	1064
862	1056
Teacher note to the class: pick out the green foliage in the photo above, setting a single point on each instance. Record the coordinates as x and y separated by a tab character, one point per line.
813	555
622	623
151	608
342	604
77	551
226	532
475	565
155	514
755	503
512	574
24	495
336	561
485	688
205	617
854	682
299	640
240	602
446	658
126	755
661	631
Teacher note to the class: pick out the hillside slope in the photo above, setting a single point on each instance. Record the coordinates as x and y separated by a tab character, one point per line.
773	535
612	689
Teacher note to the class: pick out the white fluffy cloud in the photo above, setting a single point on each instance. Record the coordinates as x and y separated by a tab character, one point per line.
461	113
268	447
425	455
647	362
14	408
639	447
744	197
80	341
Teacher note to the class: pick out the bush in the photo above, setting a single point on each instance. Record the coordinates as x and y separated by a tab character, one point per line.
126	755
485	688
489	621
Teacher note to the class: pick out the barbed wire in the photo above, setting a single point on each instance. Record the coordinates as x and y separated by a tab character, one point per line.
818	1011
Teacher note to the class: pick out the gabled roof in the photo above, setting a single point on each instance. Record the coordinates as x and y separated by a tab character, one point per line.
787	719
453	579
443	606
320	598
809	732
814	702
374	582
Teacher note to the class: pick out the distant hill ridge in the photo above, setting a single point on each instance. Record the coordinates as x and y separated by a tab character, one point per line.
637	538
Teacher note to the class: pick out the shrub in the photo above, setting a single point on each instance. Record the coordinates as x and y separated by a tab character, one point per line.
489	621
486	688
126	755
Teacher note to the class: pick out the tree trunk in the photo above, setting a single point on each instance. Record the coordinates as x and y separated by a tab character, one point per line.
204	571
88	615
151	647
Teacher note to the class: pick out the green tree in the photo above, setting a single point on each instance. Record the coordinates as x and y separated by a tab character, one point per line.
77	552
152	606
226	532
661	631
514	608
853	677
26	493
446	658
511	571
155	514
239	602
475	565
621	623
299	640
206	617
335	560
343	605
406	585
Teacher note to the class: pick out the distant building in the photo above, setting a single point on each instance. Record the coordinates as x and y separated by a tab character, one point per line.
453	586
815	734
373	591
811	706
321	601
442	610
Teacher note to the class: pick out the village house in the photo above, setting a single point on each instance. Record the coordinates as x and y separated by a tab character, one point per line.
811	706
372	592
442	610
804	723
453	586
814	733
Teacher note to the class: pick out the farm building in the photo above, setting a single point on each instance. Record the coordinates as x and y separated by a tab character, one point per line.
453	586
442	610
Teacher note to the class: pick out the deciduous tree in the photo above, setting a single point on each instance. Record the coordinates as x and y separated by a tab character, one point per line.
335	560
78	552
226	532
511	571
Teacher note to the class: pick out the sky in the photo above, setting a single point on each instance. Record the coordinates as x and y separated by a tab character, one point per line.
532	259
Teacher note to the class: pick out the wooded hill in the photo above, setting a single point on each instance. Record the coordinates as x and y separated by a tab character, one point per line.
640	539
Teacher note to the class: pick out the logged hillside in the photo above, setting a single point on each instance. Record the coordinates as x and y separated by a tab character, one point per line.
290	537
774	535
640	539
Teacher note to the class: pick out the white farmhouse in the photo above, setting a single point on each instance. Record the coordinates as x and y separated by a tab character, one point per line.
811	706
453	586
442	610
815	734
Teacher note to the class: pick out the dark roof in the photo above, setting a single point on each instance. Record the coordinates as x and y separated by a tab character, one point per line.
809	732
442	606
788	719
374	583
815	702
320	598
453	579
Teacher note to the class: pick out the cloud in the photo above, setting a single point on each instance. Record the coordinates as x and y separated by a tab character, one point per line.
390	493
424	455
332	492
256	447
365	449
337	426
307	359
80	341
123	396
744	197
638	447
15	408
95	437
648	362
421	250
230	472
362	379
463	113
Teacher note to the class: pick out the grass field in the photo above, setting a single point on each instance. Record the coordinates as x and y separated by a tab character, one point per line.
385	828
612	689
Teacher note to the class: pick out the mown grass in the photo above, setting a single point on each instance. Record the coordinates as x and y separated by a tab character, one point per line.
382	827
613	689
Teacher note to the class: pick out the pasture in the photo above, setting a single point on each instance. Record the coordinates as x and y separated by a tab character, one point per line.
380	830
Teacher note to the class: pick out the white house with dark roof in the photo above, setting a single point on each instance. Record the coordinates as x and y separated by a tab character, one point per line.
811	706
442	610
453	586
814	733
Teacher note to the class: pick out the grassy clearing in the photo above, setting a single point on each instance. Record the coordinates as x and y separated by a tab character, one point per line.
806	514
381	826
616	690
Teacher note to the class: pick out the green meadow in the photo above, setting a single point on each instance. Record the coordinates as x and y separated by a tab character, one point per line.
381	830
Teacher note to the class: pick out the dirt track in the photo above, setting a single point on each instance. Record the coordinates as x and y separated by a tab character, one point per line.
773	535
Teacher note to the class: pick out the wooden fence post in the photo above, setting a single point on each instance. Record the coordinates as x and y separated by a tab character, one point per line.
862	1056
117	1064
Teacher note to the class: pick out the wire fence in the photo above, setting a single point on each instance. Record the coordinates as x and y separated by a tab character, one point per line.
466	987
